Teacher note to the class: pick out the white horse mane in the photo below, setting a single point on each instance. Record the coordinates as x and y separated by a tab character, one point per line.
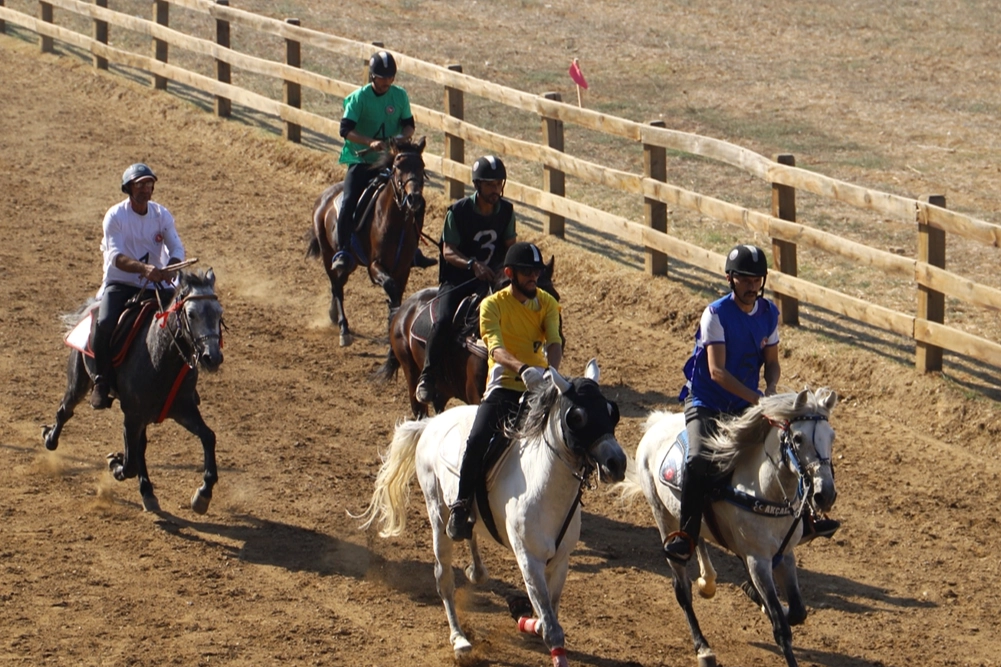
749	429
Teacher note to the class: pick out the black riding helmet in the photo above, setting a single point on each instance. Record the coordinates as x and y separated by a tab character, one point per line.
489	168
747	260
524	256
134	173
382	65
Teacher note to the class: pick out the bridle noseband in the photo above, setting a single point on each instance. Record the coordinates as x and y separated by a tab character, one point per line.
410	204
184	326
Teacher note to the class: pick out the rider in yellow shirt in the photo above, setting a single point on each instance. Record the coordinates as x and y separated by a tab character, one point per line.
521	327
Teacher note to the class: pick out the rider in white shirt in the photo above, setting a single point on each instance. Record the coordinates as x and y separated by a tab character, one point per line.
140	240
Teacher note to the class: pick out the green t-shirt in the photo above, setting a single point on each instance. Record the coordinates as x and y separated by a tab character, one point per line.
376	116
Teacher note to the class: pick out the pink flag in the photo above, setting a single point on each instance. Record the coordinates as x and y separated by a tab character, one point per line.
576	75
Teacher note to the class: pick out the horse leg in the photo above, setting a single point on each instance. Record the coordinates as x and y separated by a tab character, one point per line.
547	626
476	571
683	593
761	574
444	576
337	315
707	573
132	462
150	503
787	575
77	384
191	419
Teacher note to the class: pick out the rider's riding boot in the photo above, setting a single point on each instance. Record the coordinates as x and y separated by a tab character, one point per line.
425	391
100	396
459	525
814	527
423	262
680	545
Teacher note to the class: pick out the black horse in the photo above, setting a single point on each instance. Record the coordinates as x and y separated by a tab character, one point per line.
157	379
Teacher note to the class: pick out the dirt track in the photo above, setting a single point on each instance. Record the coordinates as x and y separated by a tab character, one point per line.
276	572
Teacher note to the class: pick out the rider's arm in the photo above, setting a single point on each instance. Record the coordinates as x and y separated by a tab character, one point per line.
772	369
147	271
716	356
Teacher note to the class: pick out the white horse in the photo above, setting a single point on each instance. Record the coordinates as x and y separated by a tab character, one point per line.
776	458
567	432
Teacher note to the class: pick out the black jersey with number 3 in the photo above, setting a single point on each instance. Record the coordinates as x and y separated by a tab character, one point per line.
481	237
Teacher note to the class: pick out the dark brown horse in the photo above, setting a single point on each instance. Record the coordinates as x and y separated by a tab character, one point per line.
464	375
386	241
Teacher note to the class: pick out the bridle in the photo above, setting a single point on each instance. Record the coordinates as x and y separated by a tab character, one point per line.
409	203
184	326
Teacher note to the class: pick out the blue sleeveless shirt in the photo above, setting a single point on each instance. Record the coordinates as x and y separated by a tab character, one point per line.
745	342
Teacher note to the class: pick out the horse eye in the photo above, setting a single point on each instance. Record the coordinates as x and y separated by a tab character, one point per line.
576	418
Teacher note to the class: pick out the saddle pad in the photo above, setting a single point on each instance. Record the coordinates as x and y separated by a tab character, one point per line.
79	336
453	463
672	467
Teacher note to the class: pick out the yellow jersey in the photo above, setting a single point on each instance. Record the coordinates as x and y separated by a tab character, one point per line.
523	329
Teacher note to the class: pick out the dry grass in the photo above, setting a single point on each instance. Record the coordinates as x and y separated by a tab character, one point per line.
902	97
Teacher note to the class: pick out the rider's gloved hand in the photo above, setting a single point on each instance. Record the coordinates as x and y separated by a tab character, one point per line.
533	377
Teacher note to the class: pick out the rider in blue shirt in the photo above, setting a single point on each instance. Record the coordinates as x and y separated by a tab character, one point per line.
737	337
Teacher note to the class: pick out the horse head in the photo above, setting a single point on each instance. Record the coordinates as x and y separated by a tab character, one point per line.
587	422
200	318
810	437
408	175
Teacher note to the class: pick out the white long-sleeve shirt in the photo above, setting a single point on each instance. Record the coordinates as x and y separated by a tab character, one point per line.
151	238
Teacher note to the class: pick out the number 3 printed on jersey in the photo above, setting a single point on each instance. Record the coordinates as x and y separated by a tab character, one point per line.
488	240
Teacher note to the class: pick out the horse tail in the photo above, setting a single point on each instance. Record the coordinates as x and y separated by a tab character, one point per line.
72	318
313	249
630	488
388	370
391	496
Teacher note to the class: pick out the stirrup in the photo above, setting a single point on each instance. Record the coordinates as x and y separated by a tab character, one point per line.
813	528
459	527
673	547
100	396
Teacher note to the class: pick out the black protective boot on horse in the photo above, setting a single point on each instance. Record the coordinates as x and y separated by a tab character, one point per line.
681	545
814	527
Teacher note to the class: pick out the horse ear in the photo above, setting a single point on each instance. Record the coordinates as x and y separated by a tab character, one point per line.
210	276
592	372
830	400
801	400
551	266
562	385
421	144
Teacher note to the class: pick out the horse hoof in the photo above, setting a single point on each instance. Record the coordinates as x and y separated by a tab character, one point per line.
707	659
462	647
199	503
49	444
707	589
347	339
151	504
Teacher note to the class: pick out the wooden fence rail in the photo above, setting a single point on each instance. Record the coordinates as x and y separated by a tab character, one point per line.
930	216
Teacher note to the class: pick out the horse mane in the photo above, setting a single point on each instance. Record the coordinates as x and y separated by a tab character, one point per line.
742	432
194	280
534	416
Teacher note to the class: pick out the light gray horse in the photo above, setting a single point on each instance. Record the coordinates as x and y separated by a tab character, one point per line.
777	457
157	380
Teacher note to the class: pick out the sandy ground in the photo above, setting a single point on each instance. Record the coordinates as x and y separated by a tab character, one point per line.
276	572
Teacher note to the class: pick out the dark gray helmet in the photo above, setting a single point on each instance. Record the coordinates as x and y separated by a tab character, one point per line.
489	168
747	260
134	173
524	256
382	65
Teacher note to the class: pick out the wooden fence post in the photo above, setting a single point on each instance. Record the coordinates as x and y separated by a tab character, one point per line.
655	212
553	180
931	304
101	35
223	74
45	13
784	252
3	24
455	147
364	76
292	91
161	15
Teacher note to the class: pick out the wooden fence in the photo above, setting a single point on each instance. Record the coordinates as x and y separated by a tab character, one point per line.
929	214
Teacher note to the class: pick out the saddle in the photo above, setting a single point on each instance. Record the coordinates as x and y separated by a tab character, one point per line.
132	319
465	326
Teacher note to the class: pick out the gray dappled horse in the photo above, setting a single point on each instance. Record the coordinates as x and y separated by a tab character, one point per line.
157	380
777	457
